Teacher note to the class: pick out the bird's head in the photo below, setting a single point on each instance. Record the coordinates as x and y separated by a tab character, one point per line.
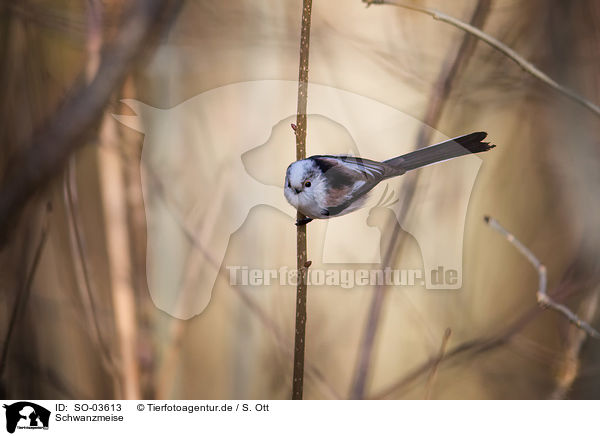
302	180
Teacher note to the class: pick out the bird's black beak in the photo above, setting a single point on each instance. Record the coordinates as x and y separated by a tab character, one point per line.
297	190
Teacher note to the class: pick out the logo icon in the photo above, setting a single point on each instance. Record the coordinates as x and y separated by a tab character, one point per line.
26	415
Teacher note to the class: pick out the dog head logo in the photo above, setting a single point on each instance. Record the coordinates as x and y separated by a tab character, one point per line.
207	162
26	415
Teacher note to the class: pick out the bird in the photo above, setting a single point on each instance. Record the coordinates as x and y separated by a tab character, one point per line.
327	186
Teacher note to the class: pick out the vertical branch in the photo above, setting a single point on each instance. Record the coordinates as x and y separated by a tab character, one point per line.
94	41
302	261
131	156
119	261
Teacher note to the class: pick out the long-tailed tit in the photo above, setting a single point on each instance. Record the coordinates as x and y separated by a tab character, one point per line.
323	186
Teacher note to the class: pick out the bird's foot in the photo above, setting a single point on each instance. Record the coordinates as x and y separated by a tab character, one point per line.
303	221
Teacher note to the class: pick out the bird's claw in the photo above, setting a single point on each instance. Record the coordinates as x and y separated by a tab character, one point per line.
303	221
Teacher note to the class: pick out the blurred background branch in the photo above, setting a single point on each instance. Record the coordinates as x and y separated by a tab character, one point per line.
570	366
498	45
74	120
570	284
544	300
436	365
177	329
81	264
22	297
438	98
78	294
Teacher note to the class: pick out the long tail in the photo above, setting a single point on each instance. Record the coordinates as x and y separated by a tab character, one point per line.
471	143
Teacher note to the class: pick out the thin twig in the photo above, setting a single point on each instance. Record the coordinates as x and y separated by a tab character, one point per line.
543	299
22	296
436	365
302	260
501	47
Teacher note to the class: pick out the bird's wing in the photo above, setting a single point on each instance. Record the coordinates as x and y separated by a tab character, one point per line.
350	167
349	178
366	168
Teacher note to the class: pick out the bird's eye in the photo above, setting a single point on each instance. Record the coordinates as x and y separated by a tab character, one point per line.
289	184
307	184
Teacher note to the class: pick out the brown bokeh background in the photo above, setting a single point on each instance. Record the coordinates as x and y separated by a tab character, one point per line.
76	317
